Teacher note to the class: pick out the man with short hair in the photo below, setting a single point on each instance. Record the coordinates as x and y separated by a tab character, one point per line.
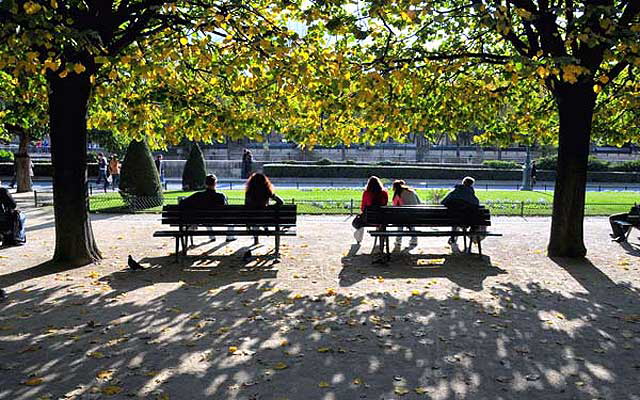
462	202
207	199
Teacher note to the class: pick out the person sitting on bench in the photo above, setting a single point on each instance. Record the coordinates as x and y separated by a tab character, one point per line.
13	233
462	202
620	224
207	199
403	195
259	191
374	195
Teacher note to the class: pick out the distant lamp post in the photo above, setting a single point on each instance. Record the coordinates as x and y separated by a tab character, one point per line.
526	171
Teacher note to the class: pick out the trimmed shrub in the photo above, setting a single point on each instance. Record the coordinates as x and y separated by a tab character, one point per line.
627	166
549	162
194	170
6	155
594	164
499	164
139	181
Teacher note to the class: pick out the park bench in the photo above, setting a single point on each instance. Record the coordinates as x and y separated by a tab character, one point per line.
273	221
634	222
384	218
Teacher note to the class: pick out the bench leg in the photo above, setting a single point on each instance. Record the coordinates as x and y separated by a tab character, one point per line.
626	236
177	248
464	239
277	254
479	248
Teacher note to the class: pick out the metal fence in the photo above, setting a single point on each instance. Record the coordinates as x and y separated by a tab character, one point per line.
112	203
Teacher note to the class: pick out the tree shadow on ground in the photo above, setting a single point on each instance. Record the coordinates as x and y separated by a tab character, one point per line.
40	270
467	271
204	338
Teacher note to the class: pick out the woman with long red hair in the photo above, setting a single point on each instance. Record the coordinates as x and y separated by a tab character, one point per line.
259	191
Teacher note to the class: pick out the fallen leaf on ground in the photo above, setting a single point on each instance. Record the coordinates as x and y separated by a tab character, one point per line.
33	381
111	390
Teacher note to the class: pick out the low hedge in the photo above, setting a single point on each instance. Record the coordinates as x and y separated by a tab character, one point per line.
42	169
426	173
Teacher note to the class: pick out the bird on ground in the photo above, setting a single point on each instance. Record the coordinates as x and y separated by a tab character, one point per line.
134	265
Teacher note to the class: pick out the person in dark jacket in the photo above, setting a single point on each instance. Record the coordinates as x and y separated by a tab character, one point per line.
207	199
462	201
12	220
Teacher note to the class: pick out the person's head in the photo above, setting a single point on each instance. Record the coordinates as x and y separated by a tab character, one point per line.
259	187
210	181
159	157
114	157
374	184
398	186
100	154
468	181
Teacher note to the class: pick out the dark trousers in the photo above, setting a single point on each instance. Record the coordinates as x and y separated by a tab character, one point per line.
617	229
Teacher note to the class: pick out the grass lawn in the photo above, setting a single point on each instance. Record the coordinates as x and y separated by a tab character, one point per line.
341	201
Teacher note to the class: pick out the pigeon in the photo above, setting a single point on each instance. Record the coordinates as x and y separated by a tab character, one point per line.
134	265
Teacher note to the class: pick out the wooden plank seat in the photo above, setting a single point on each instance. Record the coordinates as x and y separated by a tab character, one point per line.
383	218
276	221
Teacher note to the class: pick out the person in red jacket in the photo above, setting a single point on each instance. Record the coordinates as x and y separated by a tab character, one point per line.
374	195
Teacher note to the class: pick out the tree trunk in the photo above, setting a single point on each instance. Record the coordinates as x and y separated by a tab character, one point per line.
23	164
68	102
575	104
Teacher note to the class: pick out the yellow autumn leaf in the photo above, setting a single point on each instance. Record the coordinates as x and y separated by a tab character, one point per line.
357	381
280	365
31	8
184	41
415	292
401	391
324	384
111	390
54	4
79	68
420	390
33	381
233	349
96	354
104	374
63	74
324	349
331	292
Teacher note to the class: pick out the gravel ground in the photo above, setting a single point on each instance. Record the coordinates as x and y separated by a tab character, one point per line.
325	322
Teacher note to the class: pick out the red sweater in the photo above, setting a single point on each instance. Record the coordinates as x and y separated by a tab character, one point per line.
374	199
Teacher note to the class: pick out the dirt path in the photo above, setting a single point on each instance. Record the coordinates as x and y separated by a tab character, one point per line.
325	323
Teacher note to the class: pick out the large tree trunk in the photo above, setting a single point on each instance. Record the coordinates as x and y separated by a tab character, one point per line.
68	102
575	104
23	164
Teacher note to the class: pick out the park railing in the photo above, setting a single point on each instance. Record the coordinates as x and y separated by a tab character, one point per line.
112	202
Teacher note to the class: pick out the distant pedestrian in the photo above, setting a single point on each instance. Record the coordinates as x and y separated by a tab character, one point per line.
160	168
534	173
102	171
247	163
114	171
